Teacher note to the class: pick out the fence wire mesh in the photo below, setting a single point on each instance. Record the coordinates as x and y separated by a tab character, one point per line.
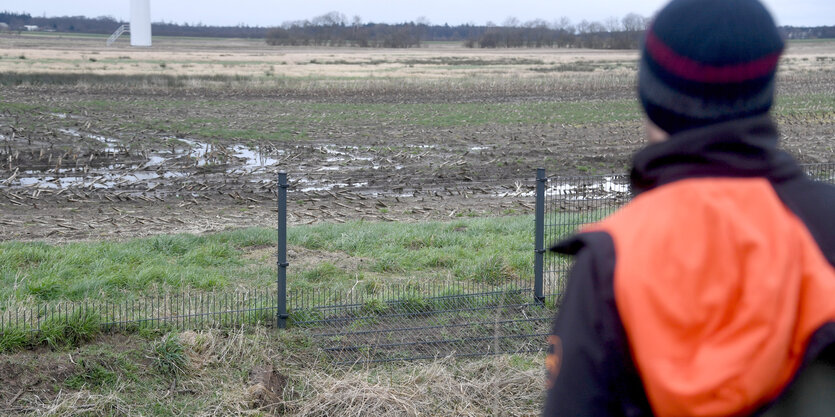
415	320
573	201
174	311
425	321
821	172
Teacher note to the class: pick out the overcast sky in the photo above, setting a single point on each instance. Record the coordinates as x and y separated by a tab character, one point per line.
274	12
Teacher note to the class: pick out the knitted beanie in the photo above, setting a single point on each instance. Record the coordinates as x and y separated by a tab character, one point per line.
708	61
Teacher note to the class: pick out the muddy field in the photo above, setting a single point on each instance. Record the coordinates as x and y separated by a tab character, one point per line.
103	151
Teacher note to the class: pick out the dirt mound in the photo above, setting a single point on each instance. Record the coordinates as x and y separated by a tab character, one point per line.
266	386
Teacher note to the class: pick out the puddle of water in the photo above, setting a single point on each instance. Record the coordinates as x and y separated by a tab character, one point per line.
29	181
611	187
154	161
71	132
254	159
63	182
319	185
110	144
171	174
607	188
344	154
331	149
324	187
105	178
198	151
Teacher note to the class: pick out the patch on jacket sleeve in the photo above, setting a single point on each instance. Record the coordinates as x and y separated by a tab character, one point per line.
554	359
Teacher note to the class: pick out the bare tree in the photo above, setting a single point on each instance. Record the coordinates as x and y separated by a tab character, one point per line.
633	22
583	27
612	24
562	23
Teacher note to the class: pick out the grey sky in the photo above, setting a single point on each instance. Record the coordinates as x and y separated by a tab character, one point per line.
274	12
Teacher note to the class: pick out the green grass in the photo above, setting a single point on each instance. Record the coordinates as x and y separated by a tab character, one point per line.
169	355
283	121
92	375
808	104
495	251
59	332
218	128
480	250
295	118
299	120
14	338
471	249
115	270
20	107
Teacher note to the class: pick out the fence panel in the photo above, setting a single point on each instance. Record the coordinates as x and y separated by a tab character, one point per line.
407	322
170	310
420	319
573	201
569	203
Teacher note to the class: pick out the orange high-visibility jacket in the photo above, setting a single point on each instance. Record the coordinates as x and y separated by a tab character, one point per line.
708	293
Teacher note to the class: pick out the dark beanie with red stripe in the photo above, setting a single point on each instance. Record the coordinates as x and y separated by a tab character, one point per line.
708	61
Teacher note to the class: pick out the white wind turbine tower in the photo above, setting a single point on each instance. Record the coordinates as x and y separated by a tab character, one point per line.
140	24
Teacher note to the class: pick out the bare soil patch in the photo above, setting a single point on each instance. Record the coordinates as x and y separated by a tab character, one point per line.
26	378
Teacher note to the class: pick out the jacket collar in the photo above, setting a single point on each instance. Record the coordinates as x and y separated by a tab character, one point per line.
738	148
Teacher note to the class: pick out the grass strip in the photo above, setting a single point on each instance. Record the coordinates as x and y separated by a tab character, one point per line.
494	251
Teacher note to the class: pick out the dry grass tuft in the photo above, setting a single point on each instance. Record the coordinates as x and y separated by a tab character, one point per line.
490	386
84	403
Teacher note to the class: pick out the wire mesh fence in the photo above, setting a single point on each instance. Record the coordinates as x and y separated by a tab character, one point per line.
379	323
174	311
821	172
570	202
426	321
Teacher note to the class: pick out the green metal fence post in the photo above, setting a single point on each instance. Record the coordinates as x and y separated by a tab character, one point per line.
281	315
539	237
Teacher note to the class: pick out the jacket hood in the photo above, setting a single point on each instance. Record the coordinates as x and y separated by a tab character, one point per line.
738	148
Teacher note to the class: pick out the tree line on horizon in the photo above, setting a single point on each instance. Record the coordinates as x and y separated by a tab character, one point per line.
335	29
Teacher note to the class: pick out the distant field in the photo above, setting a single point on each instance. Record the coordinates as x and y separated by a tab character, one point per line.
53	52
442	128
